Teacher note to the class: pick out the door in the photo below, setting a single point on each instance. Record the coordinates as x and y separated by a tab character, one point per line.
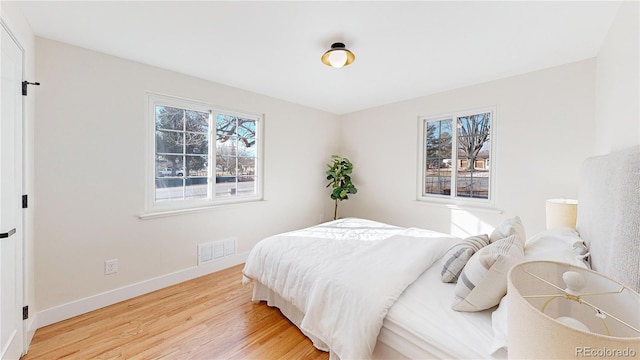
11	244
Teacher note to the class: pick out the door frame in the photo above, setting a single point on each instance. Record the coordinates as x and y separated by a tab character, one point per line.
20	184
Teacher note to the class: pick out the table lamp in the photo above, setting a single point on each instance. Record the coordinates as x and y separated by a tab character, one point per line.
561	213
560	311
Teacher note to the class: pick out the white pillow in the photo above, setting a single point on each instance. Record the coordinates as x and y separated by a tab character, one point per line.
483	281
561	244
508	227
457	256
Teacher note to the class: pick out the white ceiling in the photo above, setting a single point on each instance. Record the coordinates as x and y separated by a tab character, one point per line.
403	49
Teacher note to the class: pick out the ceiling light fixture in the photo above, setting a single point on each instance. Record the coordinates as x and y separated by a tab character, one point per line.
338	56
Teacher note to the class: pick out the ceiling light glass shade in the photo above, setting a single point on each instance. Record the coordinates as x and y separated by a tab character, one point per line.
338	56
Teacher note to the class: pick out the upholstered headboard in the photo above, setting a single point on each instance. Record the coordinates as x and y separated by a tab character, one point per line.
609	214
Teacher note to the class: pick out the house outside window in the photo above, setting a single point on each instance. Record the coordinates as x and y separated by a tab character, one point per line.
201	155
456	157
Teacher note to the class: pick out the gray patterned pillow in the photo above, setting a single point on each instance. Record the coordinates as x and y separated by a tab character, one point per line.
457	256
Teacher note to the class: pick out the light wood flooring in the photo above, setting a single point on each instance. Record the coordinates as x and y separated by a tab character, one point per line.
211	317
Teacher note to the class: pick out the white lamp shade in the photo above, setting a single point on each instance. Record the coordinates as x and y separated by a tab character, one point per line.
561	213
568	329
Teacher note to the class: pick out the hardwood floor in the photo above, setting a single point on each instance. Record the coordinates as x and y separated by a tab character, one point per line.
211	317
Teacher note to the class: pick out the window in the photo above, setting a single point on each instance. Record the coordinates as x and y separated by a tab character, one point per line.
201	155
463	175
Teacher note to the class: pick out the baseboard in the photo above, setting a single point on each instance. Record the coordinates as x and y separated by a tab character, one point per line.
30	332
82	306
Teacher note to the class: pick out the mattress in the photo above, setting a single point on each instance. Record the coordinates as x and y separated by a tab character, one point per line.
421	324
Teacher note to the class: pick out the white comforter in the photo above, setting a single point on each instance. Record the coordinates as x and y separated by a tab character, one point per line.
344	276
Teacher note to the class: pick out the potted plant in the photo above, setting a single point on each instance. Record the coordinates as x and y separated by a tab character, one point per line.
339	176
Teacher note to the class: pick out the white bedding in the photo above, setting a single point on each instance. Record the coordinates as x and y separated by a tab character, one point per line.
342	308
422	324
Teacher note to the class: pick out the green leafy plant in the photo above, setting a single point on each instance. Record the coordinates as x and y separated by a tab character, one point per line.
339	176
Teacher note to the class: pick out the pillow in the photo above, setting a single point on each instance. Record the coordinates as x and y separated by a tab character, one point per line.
561	244
507	228
457	256
483	281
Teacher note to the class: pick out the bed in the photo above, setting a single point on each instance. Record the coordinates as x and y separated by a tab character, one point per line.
364	289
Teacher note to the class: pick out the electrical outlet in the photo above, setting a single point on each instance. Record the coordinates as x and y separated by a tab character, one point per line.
111	266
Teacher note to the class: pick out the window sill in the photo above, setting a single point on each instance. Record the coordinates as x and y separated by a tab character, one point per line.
461	207
222	206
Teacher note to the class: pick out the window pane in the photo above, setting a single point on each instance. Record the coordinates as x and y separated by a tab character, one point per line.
474	154
226	185
167	165
246	147
247	129
197	121
196	143
472	184
227	146
246	184
438	181
225	165
226	127
235	156
169	142
438	147
169	189
196	188
169	118
182	148
196	166
246	166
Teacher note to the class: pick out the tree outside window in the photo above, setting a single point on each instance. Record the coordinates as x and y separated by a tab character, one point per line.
202	154
465	173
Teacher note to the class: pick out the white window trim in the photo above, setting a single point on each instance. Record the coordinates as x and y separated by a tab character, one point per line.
452	199
155	209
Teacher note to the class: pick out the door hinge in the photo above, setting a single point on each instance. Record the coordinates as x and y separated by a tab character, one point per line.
25	84
25	312
25	201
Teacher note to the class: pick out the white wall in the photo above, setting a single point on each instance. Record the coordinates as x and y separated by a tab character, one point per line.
19	27
90	181
617	83
545	128
89	149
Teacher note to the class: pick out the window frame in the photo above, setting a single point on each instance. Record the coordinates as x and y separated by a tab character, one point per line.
152	206
453	198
